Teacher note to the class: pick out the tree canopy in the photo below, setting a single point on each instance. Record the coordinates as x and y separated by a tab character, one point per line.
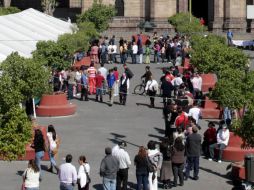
186	25
99	14
8	10
21	79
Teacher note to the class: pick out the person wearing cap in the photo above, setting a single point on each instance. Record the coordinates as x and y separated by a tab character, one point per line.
67	174
222	142
108	170
193	147
124	162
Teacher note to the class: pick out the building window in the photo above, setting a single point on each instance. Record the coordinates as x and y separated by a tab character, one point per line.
119	4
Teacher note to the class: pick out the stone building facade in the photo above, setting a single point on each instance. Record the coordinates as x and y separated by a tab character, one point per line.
219	15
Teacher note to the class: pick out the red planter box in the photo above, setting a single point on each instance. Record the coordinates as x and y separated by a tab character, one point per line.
55	105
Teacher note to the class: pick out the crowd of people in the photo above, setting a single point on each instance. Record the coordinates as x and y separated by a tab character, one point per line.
179	152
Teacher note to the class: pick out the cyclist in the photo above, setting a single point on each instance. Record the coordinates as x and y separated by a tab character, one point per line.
147	74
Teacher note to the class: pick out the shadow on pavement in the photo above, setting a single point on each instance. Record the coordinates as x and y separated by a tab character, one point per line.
147	105
156	136
226	176
20	172
118	138
161	131
98	186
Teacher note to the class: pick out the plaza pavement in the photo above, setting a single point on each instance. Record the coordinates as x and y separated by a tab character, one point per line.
96	125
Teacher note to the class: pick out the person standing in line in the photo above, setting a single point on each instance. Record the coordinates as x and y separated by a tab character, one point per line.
123	88
94	53
108	170
166	168
84	85
110	53
53	141
111	82
178	160
141	164
155	157
147	54
124	162
91	78
71	83
193	147
134	53
99	79
197	84
104	73
31	176
67	174
116	85
83	173
195	112
39	147
151	89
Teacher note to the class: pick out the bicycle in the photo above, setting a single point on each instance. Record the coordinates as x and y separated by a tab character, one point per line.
140	88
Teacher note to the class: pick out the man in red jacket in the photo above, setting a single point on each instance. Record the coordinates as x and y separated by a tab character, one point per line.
182	118
99	85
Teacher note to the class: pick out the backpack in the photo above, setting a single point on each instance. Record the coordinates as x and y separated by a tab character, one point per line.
129	73
151	166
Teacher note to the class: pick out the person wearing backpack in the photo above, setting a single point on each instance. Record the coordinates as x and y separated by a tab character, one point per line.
166	168
128	72
155	158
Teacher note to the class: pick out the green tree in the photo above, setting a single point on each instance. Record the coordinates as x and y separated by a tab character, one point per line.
52	54
99	14
15	133
182	23
21	79
29	76
8	10
211	54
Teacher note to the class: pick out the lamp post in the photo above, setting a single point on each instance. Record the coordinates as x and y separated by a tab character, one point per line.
190	8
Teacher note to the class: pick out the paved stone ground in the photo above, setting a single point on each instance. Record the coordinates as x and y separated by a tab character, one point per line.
96	125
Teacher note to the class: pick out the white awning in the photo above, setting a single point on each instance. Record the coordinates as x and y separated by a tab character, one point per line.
21	31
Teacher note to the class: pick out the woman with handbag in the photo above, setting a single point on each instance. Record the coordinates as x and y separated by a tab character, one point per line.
83	174
53	145
31	177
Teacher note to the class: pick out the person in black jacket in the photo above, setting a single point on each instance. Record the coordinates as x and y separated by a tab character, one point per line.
141	162
167	89
108	170
193	147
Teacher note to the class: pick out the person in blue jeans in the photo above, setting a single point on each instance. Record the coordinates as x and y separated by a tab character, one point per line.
39	147
108	170
141	163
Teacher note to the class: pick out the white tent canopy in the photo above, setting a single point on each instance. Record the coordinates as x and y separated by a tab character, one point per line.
21	31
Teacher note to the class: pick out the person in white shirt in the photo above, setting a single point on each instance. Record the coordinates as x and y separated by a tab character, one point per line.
134	53
53	146
67	174
155	157
124	162
110	53
83	174
196	83
195	112
222	142
31	176
151	89
104	73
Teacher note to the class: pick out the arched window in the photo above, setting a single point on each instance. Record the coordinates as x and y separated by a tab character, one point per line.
119	5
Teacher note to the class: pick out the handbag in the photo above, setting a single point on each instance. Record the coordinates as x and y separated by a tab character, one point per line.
151	166
88	179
